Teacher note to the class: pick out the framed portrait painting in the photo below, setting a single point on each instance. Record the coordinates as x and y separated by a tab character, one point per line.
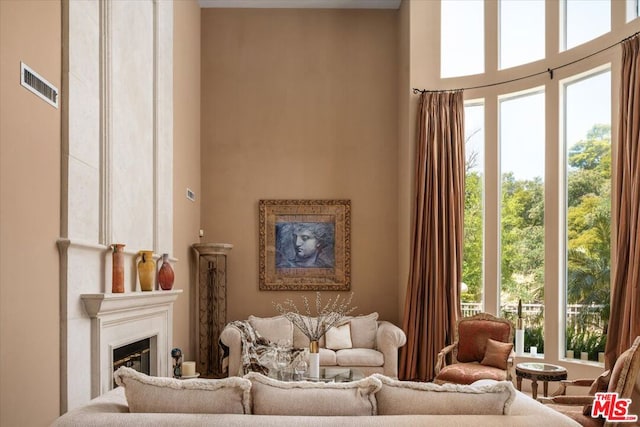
305	245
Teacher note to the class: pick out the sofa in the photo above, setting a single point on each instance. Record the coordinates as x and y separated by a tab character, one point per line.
372	345
255	399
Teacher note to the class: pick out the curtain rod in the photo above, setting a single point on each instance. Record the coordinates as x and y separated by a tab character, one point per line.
548	70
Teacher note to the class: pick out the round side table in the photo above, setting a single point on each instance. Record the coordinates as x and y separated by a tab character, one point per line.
535	372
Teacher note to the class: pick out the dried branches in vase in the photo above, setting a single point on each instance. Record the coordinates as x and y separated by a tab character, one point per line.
327	316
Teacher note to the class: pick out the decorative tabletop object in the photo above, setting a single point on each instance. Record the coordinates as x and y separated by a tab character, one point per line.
146	270
165	273
176	353
519	331
117	268
314	328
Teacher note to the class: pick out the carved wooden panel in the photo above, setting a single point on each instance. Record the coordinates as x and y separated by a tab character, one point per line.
211	305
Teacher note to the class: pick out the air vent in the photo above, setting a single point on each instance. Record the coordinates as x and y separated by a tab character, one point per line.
36	84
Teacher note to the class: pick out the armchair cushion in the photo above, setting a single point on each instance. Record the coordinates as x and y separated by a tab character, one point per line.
473	335
497	353
468	373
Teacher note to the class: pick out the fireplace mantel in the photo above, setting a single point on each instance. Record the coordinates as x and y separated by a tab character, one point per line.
97	305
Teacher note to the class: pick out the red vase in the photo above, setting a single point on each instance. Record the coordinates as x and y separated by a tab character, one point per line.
117	271
165	274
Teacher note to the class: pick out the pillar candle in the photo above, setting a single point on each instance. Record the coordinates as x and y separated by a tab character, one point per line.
188	369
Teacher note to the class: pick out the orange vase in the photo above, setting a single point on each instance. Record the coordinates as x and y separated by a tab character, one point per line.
117	268
165	273
146	270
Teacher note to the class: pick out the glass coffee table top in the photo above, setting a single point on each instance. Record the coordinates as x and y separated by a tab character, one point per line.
540	367
331	374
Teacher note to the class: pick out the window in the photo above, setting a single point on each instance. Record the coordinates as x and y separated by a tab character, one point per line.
522	165
633	9
585	20
472	271
462	37
521	24
538	167
587	124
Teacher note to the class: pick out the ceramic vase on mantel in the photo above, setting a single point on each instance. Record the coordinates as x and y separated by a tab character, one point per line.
146	270
117	268
165	273
314	359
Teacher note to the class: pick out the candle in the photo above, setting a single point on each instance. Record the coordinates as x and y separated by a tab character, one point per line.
188	369
519	308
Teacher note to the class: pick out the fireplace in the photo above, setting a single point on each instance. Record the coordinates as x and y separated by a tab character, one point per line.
136	355
132	328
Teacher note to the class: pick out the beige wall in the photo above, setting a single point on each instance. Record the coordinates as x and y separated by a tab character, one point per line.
186	162
301	104
30	31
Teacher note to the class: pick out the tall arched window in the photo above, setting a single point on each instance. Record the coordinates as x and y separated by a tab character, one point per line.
538	143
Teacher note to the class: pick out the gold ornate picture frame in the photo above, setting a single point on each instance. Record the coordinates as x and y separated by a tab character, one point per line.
305	245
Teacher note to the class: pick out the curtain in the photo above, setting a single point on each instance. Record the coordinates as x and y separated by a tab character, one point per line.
432	304
624	321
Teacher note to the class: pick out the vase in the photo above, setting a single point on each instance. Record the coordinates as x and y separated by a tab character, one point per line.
570	354
314	359
146	270
117	268
165	273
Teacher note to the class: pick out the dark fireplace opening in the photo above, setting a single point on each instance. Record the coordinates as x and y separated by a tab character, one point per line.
135	355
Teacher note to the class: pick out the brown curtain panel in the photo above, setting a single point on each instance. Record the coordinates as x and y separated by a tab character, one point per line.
432	306
624	322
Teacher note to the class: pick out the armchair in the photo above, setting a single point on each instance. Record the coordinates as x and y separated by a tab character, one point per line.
483	349
622	379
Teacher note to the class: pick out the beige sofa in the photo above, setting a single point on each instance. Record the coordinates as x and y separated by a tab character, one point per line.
258	400
374	349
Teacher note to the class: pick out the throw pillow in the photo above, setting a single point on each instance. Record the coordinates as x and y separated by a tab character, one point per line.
417	398
599	385
157	394
364	330
275	329
309	398
497	354
339	337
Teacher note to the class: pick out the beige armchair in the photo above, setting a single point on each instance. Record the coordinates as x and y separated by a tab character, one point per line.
622	379
483	349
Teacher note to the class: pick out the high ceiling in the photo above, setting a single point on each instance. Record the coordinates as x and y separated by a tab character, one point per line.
302	4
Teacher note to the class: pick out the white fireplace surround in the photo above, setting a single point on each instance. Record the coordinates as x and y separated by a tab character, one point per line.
121	319
116	184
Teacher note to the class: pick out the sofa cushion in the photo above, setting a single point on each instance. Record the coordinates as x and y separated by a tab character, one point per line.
327	357
497	353
416	398
339	337
273	397
363	330
359	357
274	329
156	394
467	373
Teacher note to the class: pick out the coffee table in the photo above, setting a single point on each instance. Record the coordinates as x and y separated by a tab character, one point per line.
331	374
535	372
